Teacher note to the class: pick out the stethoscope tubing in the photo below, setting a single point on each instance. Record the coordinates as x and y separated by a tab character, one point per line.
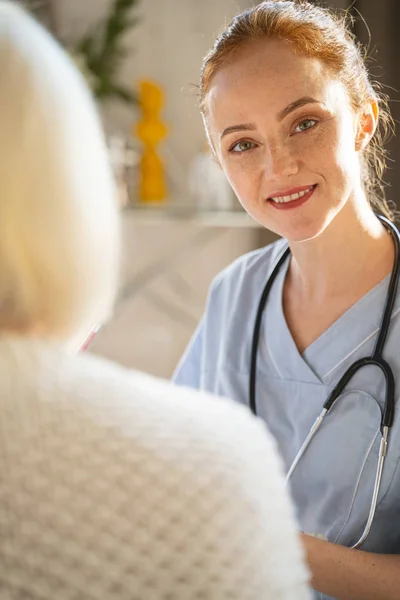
376	359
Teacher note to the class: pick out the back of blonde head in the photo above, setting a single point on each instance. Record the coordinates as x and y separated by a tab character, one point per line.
59	239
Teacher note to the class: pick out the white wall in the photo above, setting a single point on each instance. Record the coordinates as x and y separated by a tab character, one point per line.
167	46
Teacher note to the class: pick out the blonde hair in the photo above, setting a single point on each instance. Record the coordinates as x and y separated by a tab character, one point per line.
59	226
318	33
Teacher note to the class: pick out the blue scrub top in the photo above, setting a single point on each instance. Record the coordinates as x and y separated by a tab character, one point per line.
332	484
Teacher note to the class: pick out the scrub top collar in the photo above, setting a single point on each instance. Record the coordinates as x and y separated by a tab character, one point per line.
356	331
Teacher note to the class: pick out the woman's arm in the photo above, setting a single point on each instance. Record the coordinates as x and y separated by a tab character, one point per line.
348	574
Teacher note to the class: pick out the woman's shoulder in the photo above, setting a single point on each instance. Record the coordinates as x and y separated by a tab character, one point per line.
45	381
106	417
131	465
133	399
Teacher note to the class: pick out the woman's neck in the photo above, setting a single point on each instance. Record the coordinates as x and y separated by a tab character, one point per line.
354	253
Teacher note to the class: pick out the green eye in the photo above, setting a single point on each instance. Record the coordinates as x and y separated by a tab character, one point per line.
306	124
242	146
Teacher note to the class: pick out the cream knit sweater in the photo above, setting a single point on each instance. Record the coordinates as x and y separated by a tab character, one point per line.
116	485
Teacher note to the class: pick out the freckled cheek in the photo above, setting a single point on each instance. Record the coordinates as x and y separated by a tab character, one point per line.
322	156
338	170
243	180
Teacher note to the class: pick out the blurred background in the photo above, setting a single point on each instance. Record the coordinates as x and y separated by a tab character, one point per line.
181	222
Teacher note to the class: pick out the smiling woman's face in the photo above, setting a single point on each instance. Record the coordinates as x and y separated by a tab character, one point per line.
285	134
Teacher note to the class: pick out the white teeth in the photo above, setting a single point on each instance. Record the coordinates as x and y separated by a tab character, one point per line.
292	196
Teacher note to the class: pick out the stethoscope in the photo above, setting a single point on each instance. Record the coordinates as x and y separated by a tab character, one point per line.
376	359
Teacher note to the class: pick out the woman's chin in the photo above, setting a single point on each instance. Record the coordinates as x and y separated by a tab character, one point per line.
299	230
303	235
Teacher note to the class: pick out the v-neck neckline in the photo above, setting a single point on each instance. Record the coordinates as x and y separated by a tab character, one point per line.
358	325
339	341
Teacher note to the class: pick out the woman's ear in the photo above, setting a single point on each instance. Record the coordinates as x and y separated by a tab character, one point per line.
368	122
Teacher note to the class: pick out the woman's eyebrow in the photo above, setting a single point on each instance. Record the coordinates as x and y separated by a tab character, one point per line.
281	115
296	104
236	128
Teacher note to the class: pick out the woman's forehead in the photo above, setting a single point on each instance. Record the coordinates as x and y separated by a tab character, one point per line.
269	75
270	64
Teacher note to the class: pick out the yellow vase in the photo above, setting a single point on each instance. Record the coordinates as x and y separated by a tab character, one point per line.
151	131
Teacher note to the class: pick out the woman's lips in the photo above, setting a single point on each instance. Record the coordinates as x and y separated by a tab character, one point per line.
291	204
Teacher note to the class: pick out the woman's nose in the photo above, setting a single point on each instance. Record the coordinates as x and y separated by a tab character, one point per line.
280	162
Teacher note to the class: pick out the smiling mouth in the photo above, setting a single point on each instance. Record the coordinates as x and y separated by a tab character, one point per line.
292	197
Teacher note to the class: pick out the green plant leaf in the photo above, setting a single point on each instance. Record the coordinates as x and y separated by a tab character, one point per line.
103	50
